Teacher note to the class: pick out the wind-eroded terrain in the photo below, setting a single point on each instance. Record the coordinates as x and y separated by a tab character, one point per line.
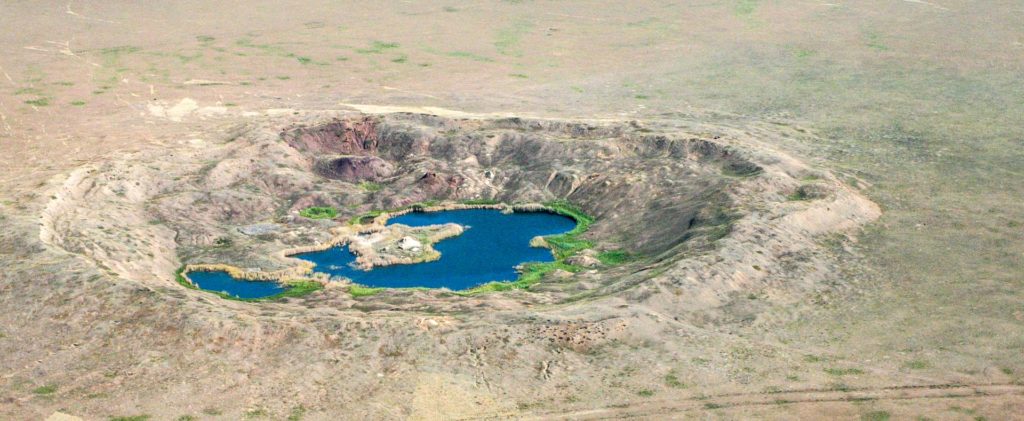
822	202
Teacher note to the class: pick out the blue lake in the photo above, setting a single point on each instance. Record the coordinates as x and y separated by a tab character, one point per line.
490	248
222	282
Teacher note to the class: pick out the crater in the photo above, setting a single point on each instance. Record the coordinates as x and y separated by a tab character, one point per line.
682	213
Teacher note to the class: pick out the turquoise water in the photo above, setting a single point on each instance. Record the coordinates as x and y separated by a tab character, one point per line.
222	282
492	245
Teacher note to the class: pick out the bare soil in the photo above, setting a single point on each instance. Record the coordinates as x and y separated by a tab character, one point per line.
823	197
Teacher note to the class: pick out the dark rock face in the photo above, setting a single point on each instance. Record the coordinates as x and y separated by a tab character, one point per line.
348	137
354	169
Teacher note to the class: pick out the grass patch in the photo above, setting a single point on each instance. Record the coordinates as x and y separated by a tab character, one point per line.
267	49
875	416
131	418
28	91
363	291
39	102
508	39
366	217
468	55
297	413
370	186
378	47
297	288
489	287
532	273
917	364
186	58
111	56
319	212
874	41
78	103
565	245
671	380
843	371
803	53
480	202
45	390
646	393
745	7
614	257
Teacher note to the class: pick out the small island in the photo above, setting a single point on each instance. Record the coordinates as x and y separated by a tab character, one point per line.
400	244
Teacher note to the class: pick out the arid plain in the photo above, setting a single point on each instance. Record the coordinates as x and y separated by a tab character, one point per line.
872	268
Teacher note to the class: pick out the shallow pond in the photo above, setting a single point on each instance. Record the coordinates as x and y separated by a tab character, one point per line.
492	245
222	282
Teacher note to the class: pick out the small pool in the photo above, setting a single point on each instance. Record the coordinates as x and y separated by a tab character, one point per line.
222	282
492	245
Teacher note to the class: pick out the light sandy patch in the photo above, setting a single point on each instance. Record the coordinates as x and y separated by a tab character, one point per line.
444	397
60	416
175	113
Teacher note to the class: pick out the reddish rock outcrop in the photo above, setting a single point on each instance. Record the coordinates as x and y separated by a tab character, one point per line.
348	137
438	185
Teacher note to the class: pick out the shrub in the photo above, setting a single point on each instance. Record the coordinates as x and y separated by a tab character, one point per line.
319	212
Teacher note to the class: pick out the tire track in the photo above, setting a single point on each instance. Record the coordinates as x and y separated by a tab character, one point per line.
664	407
